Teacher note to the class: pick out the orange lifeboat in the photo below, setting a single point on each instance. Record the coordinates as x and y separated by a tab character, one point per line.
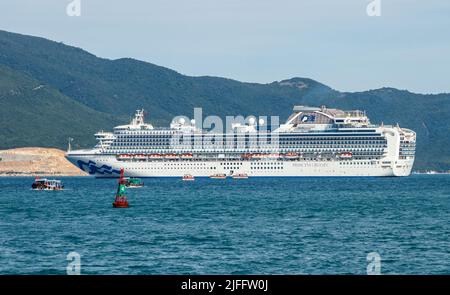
240	176
140	157
171	156
155	156
188	177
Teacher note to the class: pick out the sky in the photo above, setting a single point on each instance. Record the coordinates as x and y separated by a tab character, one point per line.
334	42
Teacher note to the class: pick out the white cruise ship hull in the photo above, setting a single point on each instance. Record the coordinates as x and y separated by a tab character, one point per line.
109	166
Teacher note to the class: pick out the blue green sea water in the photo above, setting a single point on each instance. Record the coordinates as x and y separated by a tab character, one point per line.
252	226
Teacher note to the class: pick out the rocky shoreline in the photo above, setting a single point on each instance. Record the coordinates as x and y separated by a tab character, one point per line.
35	161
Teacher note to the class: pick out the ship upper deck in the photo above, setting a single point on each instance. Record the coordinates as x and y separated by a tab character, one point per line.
307	118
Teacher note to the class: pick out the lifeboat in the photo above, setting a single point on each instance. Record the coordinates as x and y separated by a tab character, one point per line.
291	156
218	176
171	156
188	177
123	157
240	176
140	157
345	155
187	156
154	156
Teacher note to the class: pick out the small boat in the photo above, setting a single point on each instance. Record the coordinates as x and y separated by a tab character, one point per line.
133	182
188	177
187	156
44	184
218	176
240	176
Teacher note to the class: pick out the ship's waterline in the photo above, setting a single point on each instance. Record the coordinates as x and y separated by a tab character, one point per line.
312	142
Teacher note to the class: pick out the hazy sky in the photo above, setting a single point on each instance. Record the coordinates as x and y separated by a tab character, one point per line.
332	41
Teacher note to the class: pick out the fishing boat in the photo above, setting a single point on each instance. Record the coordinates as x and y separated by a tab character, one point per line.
123	157
47	184
133	182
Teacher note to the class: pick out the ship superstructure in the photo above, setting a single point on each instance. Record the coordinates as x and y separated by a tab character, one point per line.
314	141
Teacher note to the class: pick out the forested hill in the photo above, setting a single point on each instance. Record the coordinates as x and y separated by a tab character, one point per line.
50	91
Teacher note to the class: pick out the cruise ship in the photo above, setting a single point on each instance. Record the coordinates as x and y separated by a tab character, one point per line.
314	141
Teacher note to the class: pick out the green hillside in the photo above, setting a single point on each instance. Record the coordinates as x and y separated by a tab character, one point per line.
84	93
35	114
119	86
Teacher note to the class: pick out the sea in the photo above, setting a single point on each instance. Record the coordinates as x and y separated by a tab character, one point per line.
247	226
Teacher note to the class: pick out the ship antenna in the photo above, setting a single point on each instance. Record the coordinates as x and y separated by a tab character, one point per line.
69	148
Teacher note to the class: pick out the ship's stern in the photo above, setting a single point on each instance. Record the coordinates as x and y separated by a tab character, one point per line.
406	153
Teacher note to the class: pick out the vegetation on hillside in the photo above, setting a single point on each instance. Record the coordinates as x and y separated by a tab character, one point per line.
82	93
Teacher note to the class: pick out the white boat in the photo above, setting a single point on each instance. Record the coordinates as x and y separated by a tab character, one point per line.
44	184
240	176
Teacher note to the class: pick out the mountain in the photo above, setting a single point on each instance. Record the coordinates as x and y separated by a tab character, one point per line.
36	114
82	93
